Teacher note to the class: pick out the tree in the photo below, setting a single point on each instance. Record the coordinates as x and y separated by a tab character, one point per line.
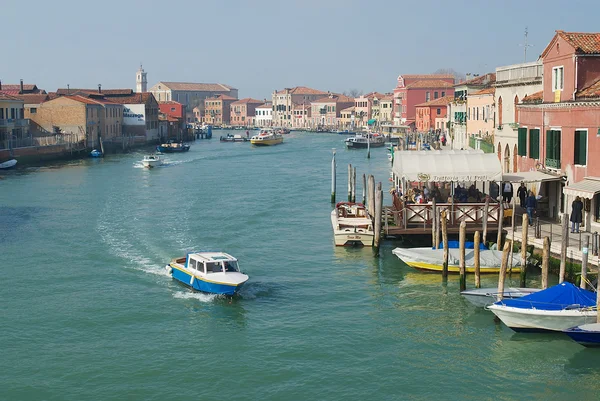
353	93
458	76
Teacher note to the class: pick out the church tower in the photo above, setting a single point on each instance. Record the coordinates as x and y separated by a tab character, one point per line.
140	81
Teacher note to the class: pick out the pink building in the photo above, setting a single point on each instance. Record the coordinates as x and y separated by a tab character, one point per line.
325	112
243	111
363	106
416	89
559	127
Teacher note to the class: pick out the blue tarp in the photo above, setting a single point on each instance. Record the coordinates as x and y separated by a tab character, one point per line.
468	245
558	297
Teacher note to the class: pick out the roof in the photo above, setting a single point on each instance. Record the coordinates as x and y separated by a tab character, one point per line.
351	108
221	97
373	94
387	98
536	97
587	43
267	105
442	101
87	100
302	90
335	99
191	86
4	96
427	76
590	92
247	100
447	165
132	99
585	188
486	91
170	102
105	92
482	80
430	84
17	87
530	176
34	98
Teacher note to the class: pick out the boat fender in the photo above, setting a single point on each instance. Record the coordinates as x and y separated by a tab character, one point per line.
192	281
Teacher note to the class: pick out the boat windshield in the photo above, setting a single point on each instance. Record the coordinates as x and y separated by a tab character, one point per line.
213	267
231	266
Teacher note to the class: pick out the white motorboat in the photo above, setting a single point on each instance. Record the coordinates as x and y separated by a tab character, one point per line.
267	137
151	161
352	225
557	308
8	164
483	297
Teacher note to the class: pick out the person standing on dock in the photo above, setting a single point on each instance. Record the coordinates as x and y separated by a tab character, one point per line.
507	192
576	214
522	194
530	205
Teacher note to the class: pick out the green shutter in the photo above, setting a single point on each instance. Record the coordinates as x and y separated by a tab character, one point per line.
534	143
556	144
580	147
549	146
522	143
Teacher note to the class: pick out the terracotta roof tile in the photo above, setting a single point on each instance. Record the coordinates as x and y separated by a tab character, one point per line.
34	98
17	87
247	100
482	80
589	93
430	84
221	97
486	91
302	90
588	43
536	97
442	101
146	98
335	99
191	86
105	92
351	108
427	76
267	105
169	102
5	96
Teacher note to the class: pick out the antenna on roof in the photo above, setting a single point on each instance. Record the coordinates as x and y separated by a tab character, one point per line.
526	45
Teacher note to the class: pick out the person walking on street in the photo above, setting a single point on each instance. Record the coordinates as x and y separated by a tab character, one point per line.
507	192
576	214
522	194
530	205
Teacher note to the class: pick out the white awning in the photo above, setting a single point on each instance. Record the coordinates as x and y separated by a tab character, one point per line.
586	188
530	176
447	166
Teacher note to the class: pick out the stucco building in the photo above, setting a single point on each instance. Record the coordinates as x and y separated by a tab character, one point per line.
284	100
427	113
217	110
243	111
264	115
326	111
14	127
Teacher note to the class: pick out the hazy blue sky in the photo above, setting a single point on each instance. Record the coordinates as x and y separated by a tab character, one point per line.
258	46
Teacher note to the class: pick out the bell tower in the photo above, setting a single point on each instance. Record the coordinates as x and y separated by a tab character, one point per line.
140	81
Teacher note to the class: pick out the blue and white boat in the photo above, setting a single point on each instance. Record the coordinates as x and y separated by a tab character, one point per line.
212	272
557	308
95	153
587	334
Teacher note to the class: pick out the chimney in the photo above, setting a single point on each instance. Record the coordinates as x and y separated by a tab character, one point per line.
99	88
68	90
0	85
21	91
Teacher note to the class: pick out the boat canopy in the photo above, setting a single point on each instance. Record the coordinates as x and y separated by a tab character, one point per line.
447	166
561	296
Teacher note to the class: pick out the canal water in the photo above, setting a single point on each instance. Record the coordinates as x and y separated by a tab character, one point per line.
88	312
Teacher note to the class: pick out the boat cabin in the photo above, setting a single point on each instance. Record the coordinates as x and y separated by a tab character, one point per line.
214	262
351	210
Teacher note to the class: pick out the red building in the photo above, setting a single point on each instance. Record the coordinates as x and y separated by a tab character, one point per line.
172	109
559	128
416	89
426	113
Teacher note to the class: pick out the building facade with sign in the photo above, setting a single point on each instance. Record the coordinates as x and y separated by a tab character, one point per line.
559	127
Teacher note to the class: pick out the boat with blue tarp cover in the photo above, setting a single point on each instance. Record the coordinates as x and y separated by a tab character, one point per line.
557	308
213	272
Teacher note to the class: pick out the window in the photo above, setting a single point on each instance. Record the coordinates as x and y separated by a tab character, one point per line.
580	147
33	110
435	95
522	141
427	96
172	108
553	148
438	111
557	78
534	143
443	94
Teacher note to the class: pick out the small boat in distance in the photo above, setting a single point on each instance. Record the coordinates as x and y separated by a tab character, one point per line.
150	161
483	297
212	272
233	138
8	164
95	153
587	335
352	225
363	141
267	137
172	147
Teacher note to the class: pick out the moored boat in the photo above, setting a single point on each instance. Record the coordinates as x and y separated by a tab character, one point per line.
172	147
587	335
431	260
212	272
8	164
352	225
233	138
266	137
95	153
150	161
363	141
557	308
483	297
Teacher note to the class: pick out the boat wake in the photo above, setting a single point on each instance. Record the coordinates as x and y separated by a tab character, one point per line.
200	296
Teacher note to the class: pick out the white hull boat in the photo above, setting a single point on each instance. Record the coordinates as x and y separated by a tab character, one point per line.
352	225
151	161
482	297
8	164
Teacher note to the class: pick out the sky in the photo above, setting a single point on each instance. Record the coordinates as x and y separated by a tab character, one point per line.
262	45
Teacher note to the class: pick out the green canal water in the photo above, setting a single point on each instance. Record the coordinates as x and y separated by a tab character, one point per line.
88	312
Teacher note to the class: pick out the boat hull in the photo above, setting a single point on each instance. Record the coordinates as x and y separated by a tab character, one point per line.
202	284
266	142
587	335
435	268
483	297
168	149
8	164
537	320
353	239
362	145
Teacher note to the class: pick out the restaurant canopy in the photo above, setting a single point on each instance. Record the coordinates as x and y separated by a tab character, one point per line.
446	166
530	176
586	188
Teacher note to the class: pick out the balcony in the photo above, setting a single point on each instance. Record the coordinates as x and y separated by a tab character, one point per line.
22	122
7	122
553	163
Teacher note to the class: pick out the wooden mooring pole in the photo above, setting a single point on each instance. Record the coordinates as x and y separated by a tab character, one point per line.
512	228
500	221
563	247
545	262
349	182
584	262
434	244
445	239
462	236
333	178
485	219
371	196
378	209
364	187
354	184
503	266
525	228
476	255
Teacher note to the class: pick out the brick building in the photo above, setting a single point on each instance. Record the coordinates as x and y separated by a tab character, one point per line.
243	111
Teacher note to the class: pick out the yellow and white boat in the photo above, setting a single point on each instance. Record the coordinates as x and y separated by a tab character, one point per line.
267	137
352	225
431	260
